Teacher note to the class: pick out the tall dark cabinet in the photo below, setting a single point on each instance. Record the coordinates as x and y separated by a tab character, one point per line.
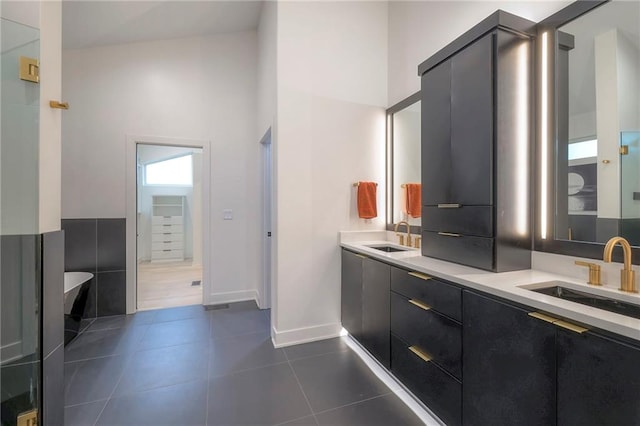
476	146
366	303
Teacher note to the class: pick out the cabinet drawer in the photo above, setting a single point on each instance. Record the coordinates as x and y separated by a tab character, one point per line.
166	228
164	245
437	335
476	252
438	390
468	220
441	296
167	236
162	220
167	254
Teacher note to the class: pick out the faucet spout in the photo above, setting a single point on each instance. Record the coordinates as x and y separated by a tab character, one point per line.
402	237
627	275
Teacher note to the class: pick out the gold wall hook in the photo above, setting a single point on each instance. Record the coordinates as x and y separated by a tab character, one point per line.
59	105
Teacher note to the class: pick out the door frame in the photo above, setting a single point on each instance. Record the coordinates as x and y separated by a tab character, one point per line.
132	142
267	220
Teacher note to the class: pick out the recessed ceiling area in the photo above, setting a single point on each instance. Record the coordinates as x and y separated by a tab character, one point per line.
91	23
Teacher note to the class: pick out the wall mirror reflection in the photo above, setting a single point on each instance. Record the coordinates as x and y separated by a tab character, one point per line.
405	189
598	151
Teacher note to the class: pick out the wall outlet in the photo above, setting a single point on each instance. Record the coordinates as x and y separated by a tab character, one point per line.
227	214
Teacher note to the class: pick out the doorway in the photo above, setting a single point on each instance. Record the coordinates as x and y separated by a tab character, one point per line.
169	226
267	210
167	221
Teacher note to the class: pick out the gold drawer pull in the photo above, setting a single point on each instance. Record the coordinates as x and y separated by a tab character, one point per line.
419	275
449	206
448	234
361	256
423	356
570	326
543	317
420	305
558	322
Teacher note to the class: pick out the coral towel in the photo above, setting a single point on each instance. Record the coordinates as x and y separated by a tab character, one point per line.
414	199
367	200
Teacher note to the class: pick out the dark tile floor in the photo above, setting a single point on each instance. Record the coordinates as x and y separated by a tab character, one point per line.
189	366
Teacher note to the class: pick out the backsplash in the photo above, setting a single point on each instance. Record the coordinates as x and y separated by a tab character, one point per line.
99	246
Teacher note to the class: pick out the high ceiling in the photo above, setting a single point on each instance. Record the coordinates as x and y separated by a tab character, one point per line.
89	23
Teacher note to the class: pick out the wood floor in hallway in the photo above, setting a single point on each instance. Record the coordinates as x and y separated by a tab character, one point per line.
168	284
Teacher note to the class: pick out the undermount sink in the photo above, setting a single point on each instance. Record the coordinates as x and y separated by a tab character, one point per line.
556	289
388	248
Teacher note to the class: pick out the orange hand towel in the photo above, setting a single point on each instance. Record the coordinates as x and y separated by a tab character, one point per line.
414	199
367	200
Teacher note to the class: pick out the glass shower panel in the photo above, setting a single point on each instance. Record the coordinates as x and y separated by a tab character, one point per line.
20	244
630	186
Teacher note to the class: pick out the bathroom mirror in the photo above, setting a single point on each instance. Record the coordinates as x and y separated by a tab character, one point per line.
403	164
589	127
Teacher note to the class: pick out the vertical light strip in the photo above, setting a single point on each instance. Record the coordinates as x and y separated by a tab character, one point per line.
522	141
389	169
544	135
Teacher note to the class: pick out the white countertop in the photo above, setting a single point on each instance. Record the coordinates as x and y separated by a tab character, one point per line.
507	285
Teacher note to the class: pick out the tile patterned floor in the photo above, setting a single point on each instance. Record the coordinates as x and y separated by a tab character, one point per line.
189	366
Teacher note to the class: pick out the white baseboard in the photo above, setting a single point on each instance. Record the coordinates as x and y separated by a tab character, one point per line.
304	335
11	352
230	297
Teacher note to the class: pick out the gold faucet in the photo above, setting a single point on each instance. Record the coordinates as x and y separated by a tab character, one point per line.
627	275
401	237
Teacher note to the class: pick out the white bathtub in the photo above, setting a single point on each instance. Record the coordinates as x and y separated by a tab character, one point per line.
76	302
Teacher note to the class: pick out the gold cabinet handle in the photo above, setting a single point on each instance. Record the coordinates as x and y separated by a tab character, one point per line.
361	256
423	356
449	206
543	317
569	326
420	305
449	234
558	322
419	275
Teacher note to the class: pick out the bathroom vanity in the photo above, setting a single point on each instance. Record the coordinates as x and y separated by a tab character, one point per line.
482	348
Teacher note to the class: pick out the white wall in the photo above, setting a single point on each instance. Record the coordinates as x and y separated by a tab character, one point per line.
196	88
418	29
50	159
332	74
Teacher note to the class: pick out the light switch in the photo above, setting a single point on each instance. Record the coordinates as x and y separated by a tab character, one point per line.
227	214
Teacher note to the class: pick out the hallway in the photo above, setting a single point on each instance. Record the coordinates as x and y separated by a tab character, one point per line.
188	366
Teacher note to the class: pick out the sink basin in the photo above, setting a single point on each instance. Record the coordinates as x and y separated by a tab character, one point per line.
584	298
389	248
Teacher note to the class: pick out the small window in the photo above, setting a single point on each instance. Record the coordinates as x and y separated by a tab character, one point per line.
175	171
585	149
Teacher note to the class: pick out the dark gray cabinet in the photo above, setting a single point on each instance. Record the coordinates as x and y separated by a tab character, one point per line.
457	105
351	292
437	164
476	117
508	365
598	380
366	302
426	341
375	310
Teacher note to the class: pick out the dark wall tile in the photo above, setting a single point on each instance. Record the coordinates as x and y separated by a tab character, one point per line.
52	290
112	298
80	244
112	245
606	228
53	388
